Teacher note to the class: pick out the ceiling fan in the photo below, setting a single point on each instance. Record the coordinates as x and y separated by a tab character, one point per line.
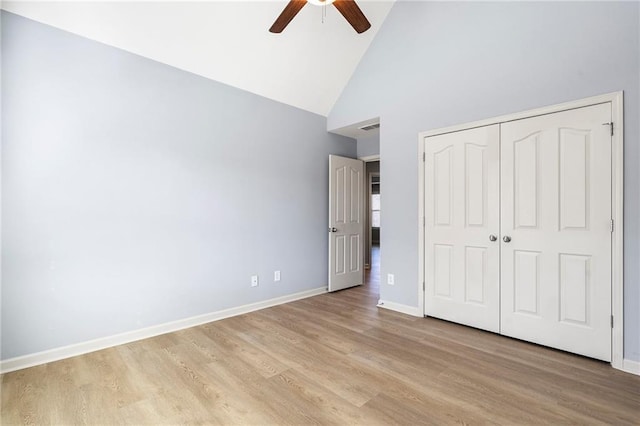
348	8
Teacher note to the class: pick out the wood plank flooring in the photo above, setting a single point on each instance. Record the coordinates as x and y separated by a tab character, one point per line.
330	359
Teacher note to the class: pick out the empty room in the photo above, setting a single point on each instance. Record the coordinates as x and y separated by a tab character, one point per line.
320	212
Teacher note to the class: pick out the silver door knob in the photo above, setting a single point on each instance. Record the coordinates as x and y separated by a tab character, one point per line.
492	237
506	239
333	229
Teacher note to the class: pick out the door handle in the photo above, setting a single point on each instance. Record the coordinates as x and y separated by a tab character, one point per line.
506	239
492	237
333	229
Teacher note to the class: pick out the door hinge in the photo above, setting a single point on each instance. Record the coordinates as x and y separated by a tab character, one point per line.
424	221
611	321
424	157
611	226
423	286
610	127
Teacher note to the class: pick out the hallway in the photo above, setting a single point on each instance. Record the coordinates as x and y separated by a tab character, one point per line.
372	275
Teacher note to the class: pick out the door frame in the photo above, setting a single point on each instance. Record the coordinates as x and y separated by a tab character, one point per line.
617	202
369	159
370	211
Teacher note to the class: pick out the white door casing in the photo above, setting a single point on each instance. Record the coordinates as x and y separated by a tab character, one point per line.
556	212
369	221
346	222
462	225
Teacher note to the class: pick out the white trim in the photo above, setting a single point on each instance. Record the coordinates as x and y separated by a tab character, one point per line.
370	212
398	307
617	237
57	354
370	158
630	366
617	171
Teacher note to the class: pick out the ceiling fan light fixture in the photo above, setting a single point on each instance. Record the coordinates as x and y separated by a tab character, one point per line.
347	8
320	2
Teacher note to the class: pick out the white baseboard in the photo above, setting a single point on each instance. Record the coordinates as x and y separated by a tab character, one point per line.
57	354
630	366
398	307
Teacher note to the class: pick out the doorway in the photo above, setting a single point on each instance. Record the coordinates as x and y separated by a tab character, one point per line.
372	226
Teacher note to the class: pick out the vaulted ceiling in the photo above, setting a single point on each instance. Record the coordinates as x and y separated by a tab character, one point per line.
306	66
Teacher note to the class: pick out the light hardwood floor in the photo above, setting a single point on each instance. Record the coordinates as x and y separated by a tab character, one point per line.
330	359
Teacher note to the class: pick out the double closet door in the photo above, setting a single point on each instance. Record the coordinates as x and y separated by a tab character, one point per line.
517	229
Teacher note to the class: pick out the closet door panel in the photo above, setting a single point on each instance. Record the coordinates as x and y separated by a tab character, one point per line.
461	213
556	247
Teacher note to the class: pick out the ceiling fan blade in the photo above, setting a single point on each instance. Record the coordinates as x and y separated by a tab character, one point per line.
353	15
289	12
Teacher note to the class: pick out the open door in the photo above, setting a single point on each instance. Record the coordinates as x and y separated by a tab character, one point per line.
346	222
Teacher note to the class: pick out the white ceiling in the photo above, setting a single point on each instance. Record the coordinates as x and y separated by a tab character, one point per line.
306	66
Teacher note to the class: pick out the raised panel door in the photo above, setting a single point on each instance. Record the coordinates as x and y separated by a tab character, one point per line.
556	212
346	229
461	212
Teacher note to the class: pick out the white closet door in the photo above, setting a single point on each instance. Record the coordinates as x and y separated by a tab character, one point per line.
556	211
461	217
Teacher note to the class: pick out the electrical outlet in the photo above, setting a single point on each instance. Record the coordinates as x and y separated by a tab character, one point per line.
276	276
254	281
390	279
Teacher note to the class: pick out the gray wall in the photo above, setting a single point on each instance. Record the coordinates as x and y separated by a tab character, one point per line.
369	145
436	64
135	194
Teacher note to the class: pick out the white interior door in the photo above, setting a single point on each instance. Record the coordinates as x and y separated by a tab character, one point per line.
556	212
462	225
346	222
